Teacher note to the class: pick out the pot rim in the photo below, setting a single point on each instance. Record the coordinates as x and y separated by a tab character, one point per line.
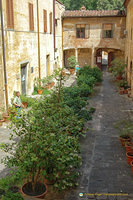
38	196
128	153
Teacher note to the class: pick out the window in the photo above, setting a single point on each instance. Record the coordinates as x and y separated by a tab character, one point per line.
50	16
9	12
45	20
80	31
107	31
31	17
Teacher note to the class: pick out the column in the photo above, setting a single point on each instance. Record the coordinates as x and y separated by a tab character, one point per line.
93	57
76	54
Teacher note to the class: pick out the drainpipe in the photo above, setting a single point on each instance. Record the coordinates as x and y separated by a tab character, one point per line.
38	29
4	57
54	26
62	46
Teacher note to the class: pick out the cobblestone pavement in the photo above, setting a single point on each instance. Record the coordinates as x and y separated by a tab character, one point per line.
104	170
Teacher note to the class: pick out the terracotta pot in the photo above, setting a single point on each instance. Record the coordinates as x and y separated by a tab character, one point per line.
129	157
25	104
119	77
50	85
129	146
121	92
124	141
72	71
125	91
39	196
5	117
131	165
40	91
63	73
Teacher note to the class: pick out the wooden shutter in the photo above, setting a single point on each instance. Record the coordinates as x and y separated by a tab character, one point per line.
10	14
31	17
87	31
51	23
45	20
107	27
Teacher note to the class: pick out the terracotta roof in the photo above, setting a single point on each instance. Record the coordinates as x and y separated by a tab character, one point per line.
93	13
126	2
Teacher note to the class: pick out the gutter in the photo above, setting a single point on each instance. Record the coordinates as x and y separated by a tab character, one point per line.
4	57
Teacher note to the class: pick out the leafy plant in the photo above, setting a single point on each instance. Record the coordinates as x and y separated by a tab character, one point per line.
9	185
94	72
72	62
118	67
125	128
123	83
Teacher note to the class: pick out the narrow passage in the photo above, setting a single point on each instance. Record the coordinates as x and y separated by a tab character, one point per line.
104	168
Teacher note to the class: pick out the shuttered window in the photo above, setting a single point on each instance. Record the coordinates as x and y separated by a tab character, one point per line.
45	20
107	30
50	22
10	14
31	17
80	31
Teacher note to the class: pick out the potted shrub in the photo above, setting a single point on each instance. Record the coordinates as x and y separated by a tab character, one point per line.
47	82
118	68
131	165
129	146
124	138
24	100
37	84
125	128
129	157
27	156
72	63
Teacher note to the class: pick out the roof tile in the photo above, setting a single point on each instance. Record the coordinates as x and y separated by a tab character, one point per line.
92	13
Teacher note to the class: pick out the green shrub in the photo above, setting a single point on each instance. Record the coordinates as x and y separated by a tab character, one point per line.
93	72
88	80
118	67
72	62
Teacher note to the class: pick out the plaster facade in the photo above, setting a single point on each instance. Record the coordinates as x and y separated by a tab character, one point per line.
87	49
22	44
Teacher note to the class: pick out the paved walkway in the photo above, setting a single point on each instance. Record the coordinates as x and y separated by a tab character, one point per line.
104	168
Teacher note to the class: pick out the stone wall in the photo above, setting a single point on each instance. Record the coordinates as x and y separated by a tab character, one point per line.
22	44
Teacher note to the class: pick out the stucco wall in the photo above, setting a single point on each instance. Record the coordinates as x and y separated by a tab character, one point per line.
59	9
22	44
129	44
95	36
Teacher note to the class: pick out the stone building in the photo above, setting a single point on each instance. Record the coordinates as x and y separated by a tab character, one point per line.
129	41
33	43
91	34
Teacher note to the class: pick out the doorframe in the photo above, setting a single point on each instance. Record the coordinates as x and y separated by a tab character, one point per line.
22	64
